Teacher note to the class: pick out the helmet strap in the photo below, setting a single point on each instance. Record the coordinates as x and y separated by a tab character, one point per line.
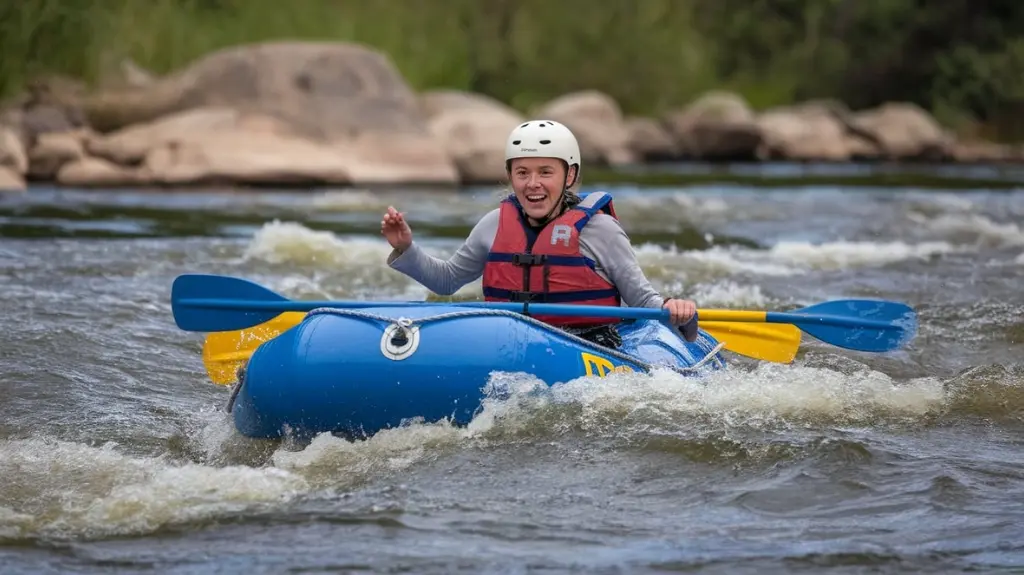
563	200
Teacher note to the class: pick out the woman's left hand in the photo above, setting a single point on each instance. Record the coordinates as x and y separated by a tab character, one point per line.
680	310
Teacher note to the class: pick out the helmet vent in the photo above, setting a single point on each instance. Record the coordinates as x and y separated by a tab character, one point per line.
545	141
516	142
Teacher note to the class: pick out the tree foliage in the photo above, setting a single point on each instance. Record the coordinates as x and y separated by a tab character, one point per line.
962	59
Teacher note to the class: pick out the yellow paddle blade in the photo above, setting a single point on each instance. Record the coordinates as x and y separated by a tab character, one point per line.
225	351
776	342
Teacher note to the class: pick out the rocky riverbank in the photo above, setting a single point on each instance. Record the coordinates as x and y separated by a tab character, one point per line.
301	113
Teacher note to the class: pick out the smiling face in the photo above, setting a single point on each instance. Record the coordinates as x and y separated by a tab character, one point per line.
538	184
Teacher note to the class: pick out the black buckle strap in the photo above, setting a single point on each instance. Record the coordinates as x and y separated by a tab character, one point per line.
526	296
528	259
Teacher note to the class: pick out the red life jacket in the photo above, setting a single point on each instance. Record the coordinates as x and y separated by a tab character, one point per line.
549	269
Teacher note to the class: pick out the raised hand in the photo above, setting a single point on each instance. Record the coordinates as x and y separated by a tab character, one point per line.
395	230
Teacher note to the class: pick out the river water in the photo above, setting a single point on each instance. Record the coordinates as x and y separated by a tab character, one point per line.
116	456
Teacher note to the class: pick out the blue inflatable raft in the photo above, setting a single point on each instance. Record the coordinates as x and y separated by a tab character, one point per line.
354	372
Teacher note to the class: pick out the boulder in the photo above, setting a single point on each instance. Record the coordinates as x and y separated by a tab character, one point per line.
716	126
649	140
11	181
51	104
11	119
346	101
221	145
434	102
375	158
325	89
48	119
904	131
130	145
596	120
54	149
12	151
96	172
246	157
804	132
978	151
473	129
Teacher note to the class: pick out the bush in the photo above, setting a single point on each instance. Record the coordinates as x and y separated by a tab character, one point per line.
964	60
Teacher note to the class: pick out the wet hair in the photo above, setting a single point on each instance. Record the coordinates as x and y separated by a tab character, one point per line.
570	199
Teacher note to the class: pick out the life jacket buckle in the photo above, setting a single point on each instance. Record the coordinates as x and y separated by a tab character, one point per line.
526	296
528	259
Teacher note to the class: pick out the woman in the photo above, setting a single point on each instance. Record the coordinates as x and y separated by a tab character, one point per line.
544	243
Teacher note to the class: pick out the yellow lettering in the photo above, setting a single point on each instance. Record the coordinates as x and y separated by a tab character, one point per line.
596	365
599	366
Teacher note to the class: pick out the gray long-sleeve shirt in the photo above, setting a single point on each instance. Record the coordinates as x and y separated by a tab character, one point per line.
602	240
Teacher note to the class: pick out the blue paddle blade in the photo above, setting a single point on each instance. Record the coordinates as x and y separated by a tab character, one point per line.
857	324
189	291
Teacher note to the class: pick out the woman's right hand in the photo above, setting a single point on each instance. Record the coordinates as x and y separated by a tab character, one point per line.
395	230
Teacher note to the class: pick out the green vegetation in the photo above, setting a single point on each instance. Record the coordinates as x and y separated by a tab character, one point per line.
962	59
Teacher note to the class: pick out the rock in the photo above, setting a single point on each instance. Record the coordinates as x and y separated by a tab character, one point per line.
596	120
381	159
52	104
473	130
434	102
95	172
345	100
325	89
11	181
649	140
976	151
862	149
716	126
130	145
12	151
806	132
47	119
223	145
11	118
244	157
904	131
52	150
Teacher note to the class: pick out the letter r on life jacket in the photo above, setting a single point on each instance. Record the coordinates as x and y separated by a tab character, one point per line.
561	232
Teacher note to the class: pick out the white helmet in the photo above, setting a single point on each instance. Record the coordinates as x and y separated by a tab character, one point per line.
543	139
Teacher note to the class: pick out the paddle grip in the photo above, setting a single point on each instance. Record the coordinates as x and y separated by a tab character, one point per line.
689	329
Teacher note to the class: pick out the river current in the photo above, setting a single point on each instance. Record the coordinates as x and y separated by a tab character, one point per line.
116	456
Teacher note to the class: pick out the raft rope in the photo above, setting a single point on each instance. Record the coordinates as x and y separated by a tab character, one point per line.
239	380
404	323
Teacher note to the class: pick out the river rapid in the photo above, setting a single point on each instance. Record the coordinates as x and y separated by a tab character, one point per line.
116	455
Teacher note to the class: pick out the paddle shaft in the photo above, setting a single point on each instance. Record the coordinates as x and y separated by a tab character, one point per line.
795	319
539	308
551	309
